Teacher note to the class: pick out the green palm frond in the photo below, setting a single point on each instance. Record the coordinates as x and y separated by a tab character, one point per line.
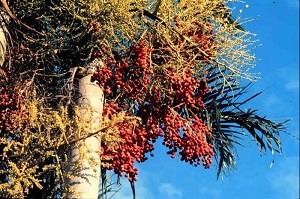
231	125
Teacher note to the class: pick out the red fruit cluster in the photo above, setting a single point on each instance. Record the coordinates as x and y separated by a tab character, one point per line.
167	101
202	34
194	143
10	108
103	75
95	27
133	147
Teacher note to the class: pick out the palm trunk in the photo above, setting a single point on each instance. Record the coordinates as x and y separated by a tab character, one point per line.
84	156
3	40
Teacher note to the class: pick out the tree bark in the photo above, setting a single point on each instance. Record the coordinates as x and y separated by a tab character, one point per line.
84	156
3	40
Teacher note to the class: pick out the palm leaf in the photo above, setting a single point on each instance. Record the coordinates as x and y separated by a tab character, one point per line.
231	125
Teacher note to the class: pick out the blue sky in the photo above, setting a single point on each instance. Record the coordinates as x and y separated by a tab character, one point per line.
161	177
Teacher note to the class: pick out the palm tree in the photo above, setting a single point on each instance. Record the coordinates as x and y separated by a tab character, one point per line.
53	56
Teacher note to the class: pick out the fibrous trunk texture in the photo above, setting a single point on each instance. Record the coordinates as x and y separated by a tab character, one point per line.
3	40
84	155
